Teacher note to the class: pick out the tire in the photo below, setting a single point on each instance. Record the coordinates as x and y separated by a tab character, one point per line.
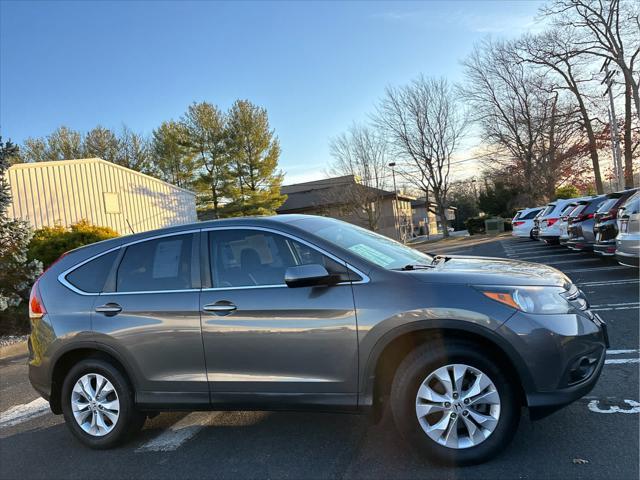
128	421
431	358
531	235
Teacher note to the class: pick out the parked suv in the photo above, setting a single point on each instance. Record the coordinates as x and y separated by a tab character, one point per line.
570	209
606	224
522	222
302	312
581	235
549	230
628	240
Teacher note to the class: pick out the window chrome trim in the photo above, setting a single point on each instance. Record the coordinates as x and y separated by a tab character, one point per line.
62	278
365	278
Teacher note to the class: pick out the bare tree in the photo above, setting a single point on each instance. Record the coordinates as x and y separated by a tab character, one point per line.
609	30
555	51
531	129
424	123
362	153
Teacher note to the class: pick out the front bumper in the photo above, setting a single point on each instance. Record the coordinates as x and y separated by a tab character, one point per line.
563	356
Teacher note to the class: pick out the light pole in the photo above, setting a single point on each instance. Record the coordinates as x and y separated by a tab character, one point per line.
395	191
475	191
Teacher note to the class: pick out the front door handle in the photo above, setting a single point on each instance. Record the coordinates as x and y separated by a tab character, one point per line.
109	309
219	307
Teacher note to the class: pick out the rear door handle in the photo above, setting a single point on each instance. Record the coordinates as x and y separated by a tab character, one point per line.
109	309
220	307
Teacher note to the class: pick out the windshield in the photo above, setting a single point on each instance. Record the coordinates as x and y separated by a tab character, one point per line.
370	246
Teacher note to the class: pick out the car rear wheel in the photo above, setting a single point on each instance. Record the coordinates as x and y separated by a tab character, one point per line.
454	404
97	403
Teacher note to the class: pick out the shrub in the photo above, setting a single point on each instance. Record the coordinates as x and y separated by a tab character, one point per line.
49	243
475	225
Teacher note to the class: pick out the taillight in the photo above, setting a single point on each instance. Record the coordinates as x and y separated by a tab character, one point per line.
515	224
551	221
36	305
583	217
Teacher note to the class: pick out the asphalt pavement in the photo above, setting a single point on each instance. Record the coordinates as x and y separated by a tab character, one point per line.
595	437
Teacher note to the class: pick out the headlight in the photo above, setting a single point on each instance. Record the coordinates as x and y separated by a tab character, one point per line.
543	300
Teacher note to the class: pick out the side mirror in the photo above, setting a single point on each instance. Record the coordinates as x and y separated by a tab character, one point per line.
306	276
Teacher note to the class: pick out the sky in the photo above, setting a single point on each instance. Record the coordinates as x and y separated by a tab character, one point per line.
315	67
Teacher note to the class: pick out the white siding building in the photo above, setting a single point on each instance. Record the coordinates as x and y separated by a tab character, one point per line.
105	194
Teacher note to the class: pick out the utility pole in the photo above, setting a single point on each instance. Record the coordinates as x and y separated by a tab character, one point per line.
615	139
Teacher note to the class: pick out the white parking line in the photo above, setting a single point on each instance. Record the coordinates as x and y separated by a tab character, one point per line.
24	412
610	361
614	306
603	283
621	352
545	256
596	269
179	432
579	260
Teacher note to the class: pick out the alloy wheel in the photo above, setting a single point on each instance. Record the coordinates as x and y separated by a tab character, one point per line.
95	404
458	406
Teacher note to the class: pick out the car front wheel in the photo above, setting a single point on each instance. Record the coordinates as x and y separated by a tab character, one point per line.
97	403
453	403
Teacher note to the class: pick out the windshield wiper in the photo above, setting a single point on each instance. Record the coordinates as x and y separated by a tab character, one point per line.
414	266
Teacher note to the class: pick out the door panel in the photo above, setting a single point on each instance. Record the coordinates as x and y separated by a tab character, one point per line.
150	312
269	338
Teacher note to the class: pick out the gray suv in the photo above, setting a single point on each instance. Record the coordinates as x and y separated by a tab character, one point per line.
300	312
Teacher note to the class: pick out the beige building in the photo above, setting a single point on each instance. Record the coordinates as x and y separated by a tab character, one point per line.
345	199
421	218
105	194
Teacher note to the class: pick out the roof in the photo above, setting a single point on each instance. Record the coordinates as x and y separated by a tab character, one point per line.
59	163
323	193
419	203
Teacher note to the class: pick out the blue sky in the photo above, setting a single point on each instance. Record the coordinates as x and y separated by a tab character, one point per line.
316	67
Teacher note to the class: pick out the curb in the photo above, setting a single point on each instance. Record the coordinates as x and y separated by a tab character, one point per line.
15	350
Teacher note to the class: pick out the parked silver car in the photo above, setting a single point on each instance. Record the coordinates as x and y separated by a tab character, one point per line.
302	312
628	239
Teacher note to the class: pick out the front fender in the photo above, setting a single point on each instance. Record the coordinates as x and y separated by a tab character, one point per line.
466	322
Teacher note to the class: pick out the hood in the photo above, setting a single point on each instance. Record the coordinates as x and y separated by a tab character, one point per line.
492	271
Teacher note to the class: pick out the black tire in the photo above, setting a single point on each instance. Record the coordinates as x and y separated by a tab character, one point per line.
129	422
531	235
425	360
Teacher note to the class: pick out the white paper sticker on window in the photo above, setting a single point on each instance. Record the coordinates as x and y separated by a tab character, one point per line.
166	261
372	254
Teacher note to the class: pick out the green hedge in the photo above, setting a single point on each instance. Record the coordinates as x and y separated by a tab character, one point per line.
49	243
475	225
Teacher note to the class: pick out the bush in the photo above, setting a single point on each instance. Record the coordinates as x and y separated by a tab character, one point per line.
49	243
475	225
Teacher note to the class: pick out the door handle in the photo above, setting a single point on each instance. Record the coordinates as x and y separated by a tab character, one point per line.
219	307
109	309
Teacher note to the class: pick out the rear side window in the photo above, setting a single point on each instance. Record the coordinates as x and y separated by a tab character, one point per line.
548	210
607	205
156	265
530	215
91	276
594	205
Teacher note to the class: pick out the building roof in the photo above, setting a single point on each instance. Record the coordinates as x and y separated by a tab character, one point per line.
419	203
322	193
60	163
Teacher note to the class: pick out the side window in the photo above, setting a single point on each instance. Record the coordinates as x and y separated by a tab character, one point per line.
160	264
531	215
249	258
91	276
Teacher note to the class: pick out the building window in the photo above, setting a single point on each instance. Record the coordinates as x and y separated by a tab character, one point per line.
111	202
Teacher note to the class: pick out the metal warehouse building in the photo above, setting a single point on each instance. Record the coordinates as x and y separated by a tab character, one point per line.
105	194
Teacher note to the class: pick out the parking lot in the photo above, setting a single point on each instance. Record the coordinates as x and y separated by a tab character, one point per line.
596	437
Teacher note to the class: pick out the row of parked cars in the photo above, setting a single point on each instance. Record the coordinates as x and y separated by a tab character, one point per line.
607	225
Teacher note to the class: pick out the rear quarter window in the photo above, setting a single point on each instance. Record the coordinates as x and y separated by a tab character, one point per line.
91	276
531	215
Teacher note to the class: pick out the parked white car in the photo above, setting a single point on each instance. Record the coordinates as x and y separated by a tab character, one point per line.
571	209
549	229
522	223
